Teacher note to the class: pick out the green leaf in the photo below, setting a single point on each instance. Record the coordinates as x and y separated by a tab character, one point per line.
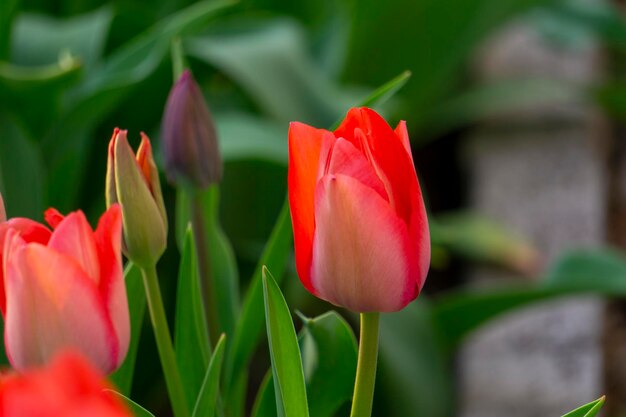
494	99
8	10
270	60
21	172
415	376
594	272
329	358
587	410
40	40
136	409
191	338
284	352
207	398
481	240
123	377
244	136
222	262
265	401
250	324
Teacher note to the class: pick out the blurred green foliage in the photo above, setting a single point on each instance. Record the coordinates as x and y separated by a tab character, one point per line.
72	70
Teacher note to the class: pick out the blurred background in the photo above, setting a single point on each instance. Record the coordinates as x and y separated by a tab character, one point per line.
515	110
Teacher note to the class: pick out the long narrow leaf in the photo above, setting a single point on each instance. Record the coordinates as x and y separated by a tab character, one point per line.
191	338
207	398
587	410
284	351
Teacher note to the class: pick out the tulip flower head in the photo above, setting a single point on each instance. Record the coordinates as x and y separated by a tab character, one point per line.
64	289
68	387
360	228
133	182
190	148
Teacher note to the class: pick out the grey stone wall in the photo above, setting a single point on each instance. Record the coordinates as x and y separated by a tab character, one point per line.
539	172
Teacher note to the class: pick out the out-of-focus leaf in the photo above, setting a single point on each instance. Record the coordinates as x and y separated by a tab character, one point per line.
136	409
414	376
8	10
496	99
191	340
224	274
289	386
207	398
593	272
244	136
587	410
252	316
598	19
21	172
480	239
123	377
270	61
329	357
431	38
612	97
40	40
265	401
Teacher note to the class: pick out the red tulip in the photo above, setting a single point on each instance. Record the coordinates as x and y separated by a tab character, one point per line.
68	387
64	289
360	227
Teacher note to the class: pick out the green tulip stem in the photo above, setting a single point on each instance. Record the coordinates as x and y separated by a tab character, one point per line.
164	342
366	366
198	225
178	58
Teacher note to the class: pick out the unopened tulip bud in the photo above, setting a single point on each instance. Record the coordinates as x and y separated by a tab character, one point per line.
133	182
190	148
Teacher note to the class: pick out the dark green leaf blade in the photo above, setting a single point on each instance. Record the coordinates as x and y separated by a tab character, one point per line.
329	357
284	352
207	398
190	337
136	409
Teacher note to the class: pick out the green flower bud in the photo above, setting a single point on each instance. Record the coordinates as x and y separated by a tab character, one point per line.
133	182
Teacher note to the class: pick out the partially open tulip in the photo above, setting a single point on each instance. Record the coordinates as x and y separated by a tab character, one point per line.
133	182
360	227
68	387
64	289
189	140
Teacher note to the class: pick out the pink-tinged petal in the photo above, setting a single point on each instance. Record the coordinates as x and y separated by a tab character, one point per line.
308	148
108	238
403	134
3	213
348	160
53	305
30	231
73	237
53	217
362	255
370	133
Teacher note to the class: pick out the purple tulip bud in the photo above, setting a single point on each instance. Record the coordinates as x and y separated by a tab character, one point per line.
189	140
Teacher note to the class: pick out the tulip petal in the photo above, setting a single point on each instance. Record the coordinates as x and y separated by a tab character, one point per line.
108	239
51	305
346	159
73	237
30	231
403	134
362	256
307	147
367	129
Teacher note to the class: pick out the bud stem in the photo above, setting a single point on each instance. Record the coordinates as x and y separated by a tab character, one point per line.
198	226
164	342
366	366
